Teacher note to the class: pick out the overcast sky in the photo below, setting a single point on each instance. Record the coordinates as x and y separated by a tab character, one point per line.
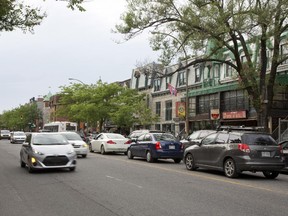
67	44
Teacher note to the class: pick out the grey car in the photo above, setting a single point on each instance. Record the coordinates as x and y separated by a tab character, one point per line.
236	151
195	137
47	151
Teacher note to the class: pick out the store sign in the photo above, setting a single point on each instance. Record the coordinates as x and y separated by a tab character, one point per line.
180	109
214	114
234	115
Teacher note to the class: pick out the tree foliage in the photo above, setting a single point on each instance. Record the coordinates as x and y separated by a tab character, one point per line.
229	25
97	103
16	14
21	117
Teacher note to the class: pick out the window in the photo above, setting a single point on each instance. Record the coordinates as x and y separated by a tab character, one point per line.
207	102
147	137
197	74
158	108
222	138
157	85
168	110
234	100
228	70
284	52
182	78
168	80
209	139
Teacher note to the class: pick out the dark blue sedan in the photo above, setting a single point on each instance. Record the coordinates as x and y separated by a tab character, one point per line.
153	146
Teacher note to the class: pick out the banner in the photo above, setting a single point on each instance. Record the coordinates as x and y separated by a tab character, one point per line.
180	109
172	89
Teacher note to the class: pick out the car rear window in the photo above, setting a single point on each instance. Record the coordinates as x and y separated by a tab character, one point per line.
164	137
258	139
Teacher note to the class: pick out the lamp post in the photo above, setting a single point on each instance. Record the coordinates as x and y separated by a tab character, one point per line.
76	80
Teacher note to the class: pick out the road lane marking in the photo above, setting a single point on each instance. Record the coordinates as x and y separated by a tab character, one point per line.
117	179
191	173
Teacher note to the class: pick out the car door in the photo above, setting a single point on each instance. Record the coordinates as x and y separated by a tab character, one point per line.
96	144
26	148
136	148
217	150
201	153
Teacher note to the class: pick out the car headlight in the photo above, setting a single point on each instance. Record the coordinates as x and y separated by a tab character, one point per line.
85	145
37	152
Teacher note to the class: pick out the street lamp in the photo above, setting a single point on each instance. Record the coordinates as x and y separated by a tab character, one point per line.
77	80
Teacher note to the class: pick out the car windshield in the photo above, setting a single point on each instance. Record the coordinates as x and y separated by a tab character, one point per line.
49	139
164	137
258	139
72	136
19	134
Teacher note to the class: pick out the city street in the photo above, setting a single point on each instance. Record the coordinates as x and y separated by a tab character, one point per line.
106	185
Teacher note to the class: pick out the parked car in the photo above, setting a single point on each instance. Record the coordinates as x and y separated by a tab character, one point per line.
17	137
135	134
236	151
80	147
195	137
47	151
284	146
110	142
4	134
153	146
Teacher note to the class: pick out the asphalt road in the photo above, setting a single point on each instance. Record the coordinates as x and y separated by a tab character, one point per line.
105	185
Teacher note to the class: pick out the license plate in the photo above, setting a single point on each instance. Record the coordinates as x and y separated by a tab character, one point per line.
171	147
265	154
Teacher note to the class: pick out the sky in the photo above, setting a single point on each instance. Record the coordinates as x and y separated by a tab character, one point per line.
68	44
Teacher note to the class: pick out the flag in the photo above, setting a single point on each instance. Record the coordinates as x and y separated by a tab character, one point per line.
172	89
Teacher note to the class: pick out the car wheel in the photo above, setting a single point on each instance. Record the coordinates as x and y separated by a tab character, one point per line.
129	154
177	160
90	148
189	162
30	169
22	164
230	168
270	174
149	157
102	150
84	155
72	168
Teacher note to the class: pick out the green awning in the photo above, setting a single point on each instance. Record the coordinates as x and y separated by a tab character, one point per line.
213	89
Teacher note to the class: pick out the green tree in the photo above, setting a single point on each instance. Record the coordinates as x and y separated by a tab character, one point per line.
20	118
97	103
227	25
18	15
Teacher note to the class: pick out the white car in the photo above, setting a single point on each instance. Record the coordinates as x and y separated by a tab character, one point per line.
110	142
17	137
80	147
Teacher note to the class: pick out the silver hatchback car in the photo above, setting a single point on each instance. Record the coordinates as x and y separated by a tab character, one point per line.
236	151
47	151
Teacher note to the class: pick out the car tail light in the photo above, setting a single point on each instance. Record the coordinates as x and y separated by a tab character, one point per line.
244	147
111	142
128	142
181	146
158	145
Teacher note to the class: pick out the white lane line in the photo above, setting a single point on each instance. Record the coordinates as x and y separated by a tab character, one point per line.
117	179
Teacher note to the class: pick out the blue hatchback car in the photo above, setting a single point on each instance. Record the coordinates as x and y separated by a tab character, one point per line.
153	146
